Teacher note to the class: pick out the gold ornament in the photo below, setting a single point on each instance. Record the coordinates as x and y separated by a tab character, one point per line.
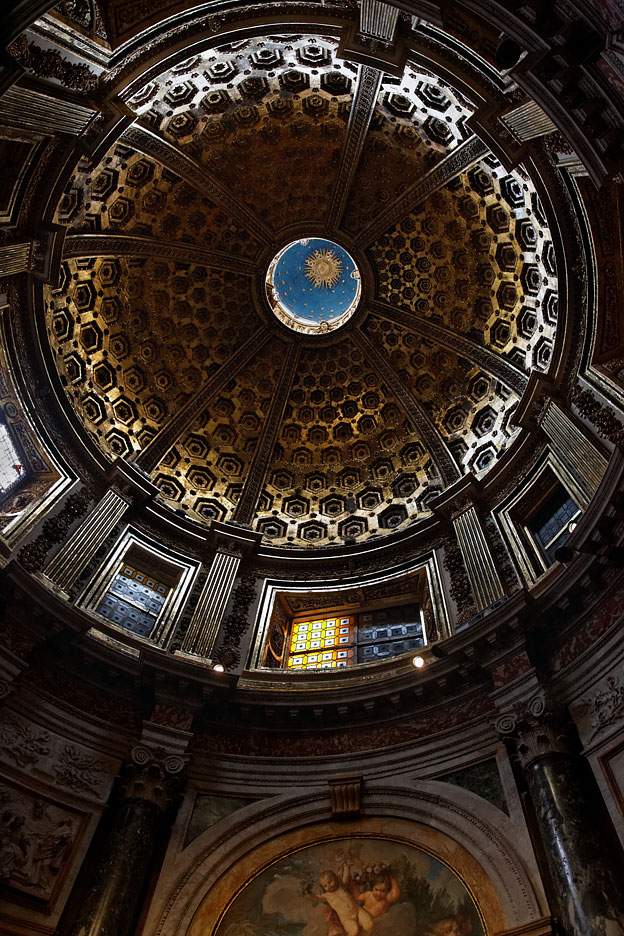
324	268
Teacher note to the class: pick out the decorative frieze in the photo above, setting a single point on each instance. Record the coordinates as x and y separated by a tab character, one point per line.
460	589
236	623
49	63
603	417
54	530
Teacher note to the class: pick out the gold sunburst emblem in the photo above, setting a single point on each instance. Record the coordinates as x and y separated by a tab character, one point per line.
323	267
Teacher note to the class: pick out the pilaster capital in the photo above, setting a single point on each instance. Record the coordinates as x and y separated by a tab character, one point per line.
234	539
155	768
152	775
457	498
538	727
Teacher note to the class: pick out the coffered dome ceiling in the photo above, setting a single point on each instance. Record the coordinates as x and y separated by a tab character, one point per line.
172	357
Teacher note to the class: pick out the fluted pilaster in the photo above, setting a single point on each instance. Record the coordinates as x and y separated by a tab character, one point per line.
70	561
204	627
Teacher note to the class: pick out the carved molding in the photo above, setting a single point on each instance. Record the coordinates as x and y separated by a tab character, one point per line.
605	707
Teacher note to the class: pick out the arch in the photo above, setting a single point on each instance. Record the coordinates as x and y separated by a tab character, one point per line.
448	823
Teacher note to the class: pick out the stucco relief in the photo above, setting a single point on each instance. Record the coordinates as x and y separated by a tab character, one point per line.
601	709
44	754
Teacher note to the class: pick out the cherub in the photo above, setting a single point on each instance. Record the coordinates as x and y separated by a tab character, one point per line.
355	920
377	900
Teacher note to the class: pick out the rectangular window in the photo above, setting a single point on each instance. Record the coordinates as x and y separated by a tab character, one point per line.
553	522
133	600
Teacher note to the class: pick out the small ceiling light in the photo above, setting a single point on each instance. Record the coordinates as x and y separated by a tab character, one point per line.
418	662
219	668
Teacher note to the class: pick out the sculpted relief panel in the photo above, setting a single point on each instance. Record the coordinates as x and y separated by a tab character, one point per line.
36	843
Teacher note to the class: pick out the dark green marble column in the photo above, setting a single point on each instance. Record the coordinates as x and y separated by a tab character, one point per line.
583	852
134	826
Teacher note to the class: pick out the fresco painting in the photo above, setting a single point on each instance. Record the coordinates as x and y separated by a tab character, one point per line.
354	887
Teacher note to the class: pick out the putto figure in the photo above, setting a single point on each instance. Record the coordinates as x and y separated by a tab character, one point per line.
355	920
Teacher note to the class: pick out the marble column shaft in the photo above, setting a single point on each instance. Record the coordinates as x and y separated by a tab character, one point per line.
204	627
580	845
132	831
73	557
583	853
113	902
482	572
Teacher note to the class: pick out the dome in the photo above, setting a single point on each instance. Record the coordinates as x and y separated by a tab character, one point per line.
311	471
161	328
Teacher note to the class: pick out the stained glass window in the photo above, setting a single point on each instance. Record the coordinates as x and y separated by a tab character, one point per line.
11	468
134	600
340	641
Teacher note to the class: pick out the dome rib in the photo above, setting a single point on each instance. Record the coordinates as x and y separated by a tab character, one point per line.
154	145
460	159
108	244
157	449
422	423
487	360
362	109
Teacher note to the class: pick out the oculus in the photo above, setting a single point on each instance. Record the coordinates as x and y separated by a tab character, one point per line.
313	285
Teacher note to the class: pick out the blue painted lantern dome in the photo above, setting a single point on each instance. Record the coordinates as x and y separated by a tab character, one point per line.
313	285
